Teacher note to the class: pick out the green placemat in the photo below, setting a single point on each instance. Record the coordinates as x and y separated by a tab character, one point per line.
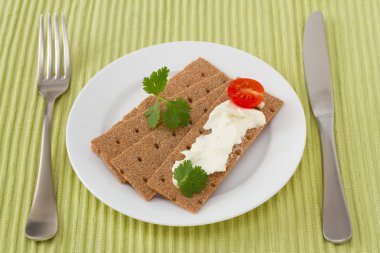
101	31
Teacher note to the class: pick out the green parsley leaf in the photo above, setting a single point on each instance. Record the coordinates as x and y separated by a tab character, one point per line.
182	172
156	82
177	113
190	180
153	114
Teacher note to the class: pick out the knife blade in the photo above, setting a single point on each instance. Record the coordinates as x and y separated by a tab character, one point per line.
336	220
317	66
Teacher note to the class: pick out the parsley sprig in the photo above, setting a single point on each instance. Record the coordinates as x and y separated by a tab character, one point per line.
177	113
190	179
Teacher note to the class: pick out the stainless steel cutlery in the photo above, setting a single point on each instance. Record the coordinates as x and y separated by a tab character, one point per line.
42	222
336	220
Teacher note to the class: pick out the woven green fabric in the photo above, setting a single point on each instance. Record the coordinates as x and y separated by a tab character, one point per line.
101	31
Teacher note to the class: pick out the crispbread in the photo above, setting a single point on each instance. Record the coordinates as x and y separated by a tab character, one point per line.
191	74
138	162
130	131
161	181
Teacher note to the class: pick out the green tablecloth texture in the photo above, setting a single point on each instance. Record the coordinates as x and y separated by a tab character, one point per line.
101	31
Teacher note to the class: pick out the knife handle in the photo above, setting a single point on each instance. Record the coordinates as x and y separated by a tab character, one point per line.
336	220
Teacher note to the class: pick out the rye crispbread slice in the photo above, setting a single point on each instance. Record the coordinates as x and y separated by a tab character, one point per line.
139	162
190	75
193	73
129	131
161	181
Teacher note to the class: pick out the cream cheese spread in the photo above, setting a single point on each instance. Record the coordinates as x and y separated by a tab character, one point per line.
228	124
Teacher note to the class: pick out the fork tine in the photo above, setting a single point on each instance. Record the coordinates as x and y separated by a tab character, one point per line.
49	50
66	54
57	49
41	50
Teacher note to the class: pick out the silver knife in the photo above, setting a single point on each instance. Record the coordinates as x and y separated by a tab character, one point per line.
336	220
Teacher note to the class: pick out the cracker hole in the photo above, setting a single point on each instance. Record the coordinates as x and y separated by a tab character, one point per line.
223	80
213	185
187	85
174	199
203	74
249	137
156	146
162	179
173	134
199	202
139	158
117	141
205	109
207	90
190	122
121	172
188	147
271	109
136	130
99	151
145	179
200	131
190	100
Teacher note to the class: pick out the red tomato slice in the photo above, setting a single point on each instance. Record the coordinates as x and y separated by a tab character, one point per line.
245	92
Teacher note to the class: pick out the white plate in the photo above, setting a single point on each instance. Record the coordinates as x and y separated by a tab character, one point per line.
264	169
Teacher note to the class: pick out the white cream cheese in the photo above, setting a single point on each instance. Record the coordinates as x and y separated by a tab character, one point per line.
261	105
228	124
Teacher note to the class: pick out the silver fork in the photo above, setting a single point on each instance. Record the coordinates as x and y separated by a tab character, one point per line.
42	222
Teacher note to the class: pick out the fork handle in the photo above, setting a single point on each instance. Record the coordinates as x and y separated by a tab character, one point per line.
42	222
336	220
